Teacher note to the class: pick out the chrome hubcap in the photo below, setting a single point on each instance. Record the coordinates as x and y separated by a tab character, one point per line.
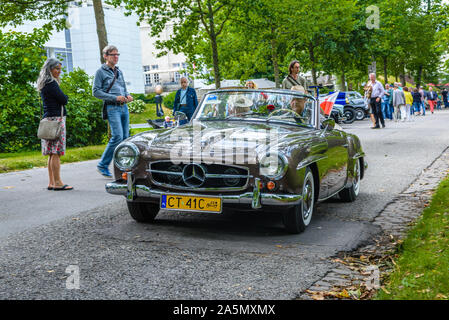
307	201
357	177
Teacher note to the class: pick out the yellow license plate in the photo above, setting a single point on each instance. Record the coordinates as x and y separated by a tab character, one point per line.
191	203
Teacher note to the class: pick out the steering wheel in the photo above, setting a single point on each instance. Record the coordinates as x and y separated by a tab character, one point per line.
284	113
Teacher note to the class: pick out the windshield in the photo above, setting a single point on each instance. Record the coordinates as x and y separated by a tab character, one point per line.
355	95
258	105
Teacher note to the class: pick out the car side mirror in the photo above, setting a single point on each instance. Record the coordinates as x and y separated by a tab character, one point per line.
180	118
328	124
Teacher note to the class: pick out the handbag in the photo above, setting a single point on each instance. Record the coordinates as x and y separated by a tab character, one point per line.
104	114
50	129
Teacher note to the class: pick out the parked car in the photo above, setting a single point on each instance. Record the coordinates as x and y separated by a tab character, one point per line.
356	100
244	149
354	106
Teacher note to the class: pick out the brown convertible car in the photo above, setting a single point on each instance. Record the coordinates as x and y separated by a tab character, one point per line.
245	149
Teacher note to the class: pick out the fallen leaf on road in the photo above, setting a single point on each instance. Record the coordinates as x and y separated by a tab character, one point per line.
8	187
50	271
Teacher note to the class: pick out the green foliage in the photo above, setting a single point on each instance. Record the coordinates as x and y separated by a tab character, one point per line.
21	57
15	12
169	100
420	270
84	123
136	106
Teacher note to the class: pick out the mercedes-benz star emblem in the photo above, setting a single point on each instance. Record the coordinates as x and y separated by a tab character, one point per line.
194	175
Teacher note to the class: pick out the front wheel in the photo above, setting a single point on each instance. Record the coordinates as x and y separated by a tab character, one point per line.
351	193
143	212
349	114
359	114
298	218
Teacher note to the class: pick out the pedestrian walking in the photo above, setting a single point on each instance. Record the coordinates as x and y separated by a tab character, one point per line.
398	103
293	78
378	92
432	98
186	100
54	101
416	102
109	86
386	112
444	95
423	106
408	104
368	88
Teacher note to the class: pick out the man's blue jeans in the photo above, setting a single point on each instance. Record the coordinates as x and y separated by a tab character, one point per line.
118	117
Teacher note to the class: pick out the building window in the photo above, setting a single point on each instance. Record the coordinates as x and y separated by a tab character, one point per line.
156	77
148	79
146	68
175	65
154	67
184	65
177	76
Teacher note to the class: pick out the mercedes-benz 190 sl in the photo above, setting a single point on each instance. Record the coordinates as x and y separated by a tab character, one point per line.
245	149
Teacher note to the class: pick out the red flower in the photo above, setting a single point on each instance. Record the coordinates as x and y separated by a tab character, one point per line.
264	95
271	107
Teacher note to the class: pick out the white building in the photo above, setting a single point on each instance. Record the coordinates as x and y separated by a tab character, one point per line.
165	70
77	46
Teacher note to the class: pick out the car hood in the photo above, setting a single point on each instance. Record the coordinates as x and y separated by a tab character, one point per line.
237	138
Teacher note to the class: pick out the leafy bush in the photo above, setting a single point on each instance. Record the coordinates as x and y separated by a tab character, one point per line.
169	100
149	98
84	123
136	106
21	57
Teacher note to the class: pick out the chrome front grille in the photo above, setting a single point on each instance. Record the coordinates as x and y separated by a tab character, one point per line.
199	176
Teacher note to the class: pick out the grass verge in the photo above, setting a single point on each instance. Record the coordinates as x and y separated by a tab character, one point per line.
149	113
422	260
34	159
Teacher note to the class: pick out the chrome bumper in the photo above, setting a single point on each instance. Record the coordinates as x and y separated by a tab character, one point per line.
256	198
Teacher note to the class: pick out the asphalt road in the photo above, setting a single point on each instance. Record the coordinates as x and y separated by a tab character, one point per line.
191	255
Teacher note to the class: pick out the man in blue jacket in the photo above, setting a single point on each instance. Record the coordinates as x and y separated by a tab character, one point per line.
109	86
185	99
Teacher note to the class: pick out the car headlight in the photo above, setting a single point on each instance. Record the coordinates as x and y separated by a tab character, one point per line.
273	165
126	156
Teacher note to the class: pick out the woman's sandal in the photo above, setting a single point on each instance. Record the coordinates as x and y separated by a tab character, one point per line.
50	188
63	188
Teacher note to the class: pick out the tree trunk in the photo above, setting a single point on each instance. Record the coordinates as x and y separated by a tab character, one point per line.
402	76
343	81
274	58
418	78
101	27
312	59
214	47
213	41
385	70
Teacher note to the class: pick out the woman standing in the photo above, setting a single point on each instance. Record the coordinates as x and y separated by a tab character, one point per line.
54	101
408	104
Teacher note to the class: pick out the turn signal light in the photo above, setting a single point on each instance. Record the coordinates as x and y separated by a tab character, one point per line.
271	185
261	185
125	176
